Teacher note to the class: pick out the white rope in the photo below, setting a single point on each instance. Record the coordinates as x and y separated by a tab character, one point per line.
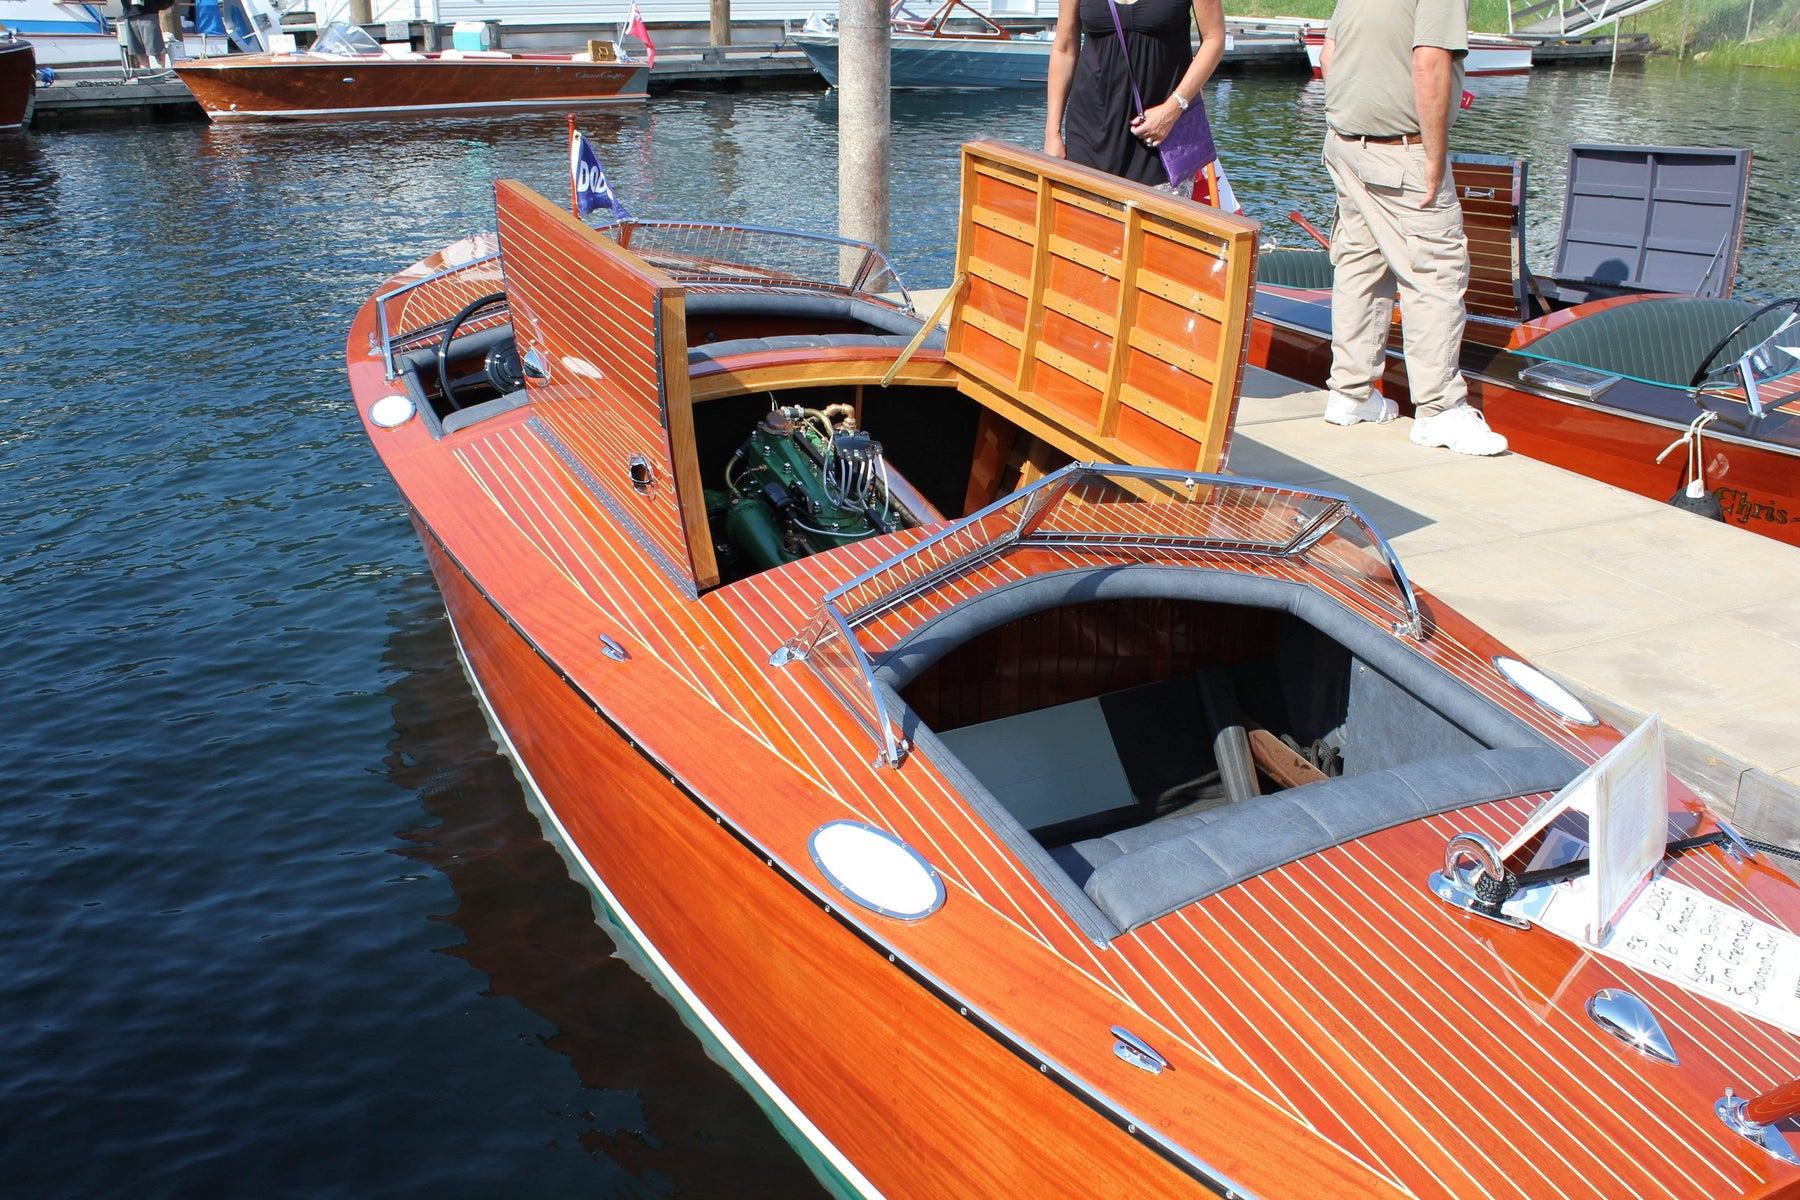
1692	438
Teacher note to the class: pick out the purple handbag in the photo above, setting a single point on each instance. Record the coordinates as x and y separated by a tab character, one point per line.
1189	147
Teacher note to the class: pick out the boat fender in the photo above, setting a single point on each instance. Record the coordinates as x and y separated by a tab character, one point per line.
1694	496
1696	499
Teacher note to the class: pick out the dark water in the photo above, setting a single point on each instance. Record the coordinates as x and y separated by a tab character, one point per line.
274	919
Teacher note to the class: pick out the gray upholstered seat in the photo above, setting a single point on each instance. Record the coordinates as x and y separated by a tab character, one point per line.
1142	873
804	341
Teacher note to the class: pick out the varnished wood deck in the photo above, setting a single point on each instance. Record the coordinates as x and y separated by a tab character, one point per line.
1334	1030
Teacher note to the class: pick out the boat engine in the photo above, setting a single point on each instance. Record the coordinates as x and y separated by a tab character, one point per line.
806	480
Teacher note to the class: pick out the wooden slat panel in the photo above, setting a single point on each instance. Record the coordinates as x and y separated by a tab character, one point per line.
1491	192
1110	256
607	322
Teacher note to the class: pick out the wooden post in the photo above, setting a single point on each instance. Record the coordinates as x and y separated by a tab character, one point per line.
362	12
863	136
721	22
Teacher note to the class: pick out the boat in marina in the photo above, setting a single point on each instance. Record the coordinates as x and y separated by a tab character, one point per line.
18	83
1489	53
1019	804
1630	363
347	74
954	47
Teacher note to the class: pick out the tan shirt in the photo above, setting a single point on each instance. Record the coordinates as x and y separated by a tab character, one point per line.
1369	87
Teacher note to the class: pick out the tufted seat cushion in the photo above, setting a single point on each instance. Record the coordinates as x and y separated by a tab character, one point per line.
1660	339
1294	268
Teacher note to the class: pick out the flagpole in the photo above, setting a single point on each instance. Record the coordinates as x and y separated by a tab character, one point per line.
574	207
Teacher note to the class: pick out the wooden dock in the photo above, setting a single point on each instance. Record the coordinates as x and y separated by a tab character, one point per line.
1637	606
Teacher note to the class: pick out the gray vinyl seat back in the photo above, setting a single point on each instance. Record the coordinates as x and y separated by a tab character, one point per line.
1653	218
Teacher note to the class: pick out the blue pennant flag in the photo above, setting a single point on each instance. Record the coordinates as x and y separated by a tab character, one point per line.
588	177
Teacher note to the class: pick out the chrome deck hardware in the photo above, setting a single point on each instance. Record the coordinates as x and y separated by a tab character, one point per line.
1137	1052
1740	1116
1629	1019
1470	858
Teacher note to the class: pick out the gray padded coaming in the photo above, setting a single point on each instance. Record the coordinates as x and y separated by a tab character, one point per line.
1147	872
1483	720
462	418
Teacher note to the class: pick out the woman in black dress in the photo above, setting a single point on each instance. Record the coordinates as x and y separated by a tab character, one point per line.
1091	118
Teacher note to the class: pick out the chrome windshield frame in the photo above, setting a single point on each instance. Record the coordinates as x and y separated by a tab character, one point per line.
383	299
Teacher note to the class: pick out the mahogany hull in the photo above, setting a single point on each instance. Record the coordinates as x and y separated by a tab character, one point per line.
265	87
1758	485
942	1109
18	84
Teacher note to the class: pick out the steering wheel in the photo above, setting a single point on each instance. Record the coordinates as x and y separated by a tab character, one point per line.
1706	365
450	328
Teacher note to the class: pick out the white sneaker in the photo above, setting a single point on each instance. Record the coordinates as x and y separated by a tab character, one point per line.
1462	429
1342	410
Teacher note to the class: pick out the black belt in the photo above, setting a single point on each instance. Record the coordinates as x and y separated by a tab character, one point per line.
1386	139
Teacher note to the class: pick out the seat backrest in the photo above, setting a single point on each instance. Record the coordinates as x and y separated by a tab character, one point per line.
1491	188
1653	218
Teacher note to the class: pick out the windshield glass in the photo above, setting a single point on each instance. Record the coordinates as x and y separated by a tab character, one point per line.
344	40
1778	356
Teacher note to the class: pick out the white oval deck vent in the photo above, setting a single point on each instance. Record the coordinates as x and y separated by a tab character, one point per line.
391	411
1546	691
876	869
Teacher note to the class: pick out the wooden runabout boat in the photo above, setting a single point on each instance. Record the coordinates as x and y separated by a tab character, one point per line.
1630	348
1023	807
18	82
347	74
954	47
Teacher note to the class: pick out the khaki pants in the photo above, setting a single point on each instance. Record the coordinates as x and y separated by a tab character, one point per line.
1392	241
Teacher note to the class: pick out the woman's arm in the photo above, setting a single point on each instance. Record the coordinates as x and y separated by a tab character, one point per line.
1158	119
1062	72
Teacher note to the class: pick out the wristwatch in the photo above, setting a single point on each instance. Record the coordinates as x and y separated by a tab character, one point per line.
1180	102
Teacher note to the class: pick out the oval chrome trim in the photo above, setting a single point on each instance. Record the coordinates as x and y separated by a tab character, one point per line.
1545	690
876	869
643	474
392	411
612	649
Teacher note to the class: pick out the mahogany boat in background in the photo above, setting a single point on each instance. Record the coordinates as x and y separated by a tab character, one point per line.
18	83
346	74
1021	807
1603	367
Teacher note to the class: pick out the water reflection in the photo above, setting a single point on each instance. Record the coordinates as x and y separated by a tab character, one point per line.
668	1118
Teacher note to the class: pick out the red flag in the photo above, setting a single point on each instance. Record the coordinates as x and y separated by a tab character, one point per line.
636	28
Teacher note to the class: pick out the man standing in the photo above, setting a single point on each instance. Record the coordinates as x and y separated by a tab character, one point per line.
1393	78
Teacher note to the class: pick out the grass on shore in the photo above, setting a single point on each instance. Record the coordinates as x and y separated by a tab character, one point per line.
1709	31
